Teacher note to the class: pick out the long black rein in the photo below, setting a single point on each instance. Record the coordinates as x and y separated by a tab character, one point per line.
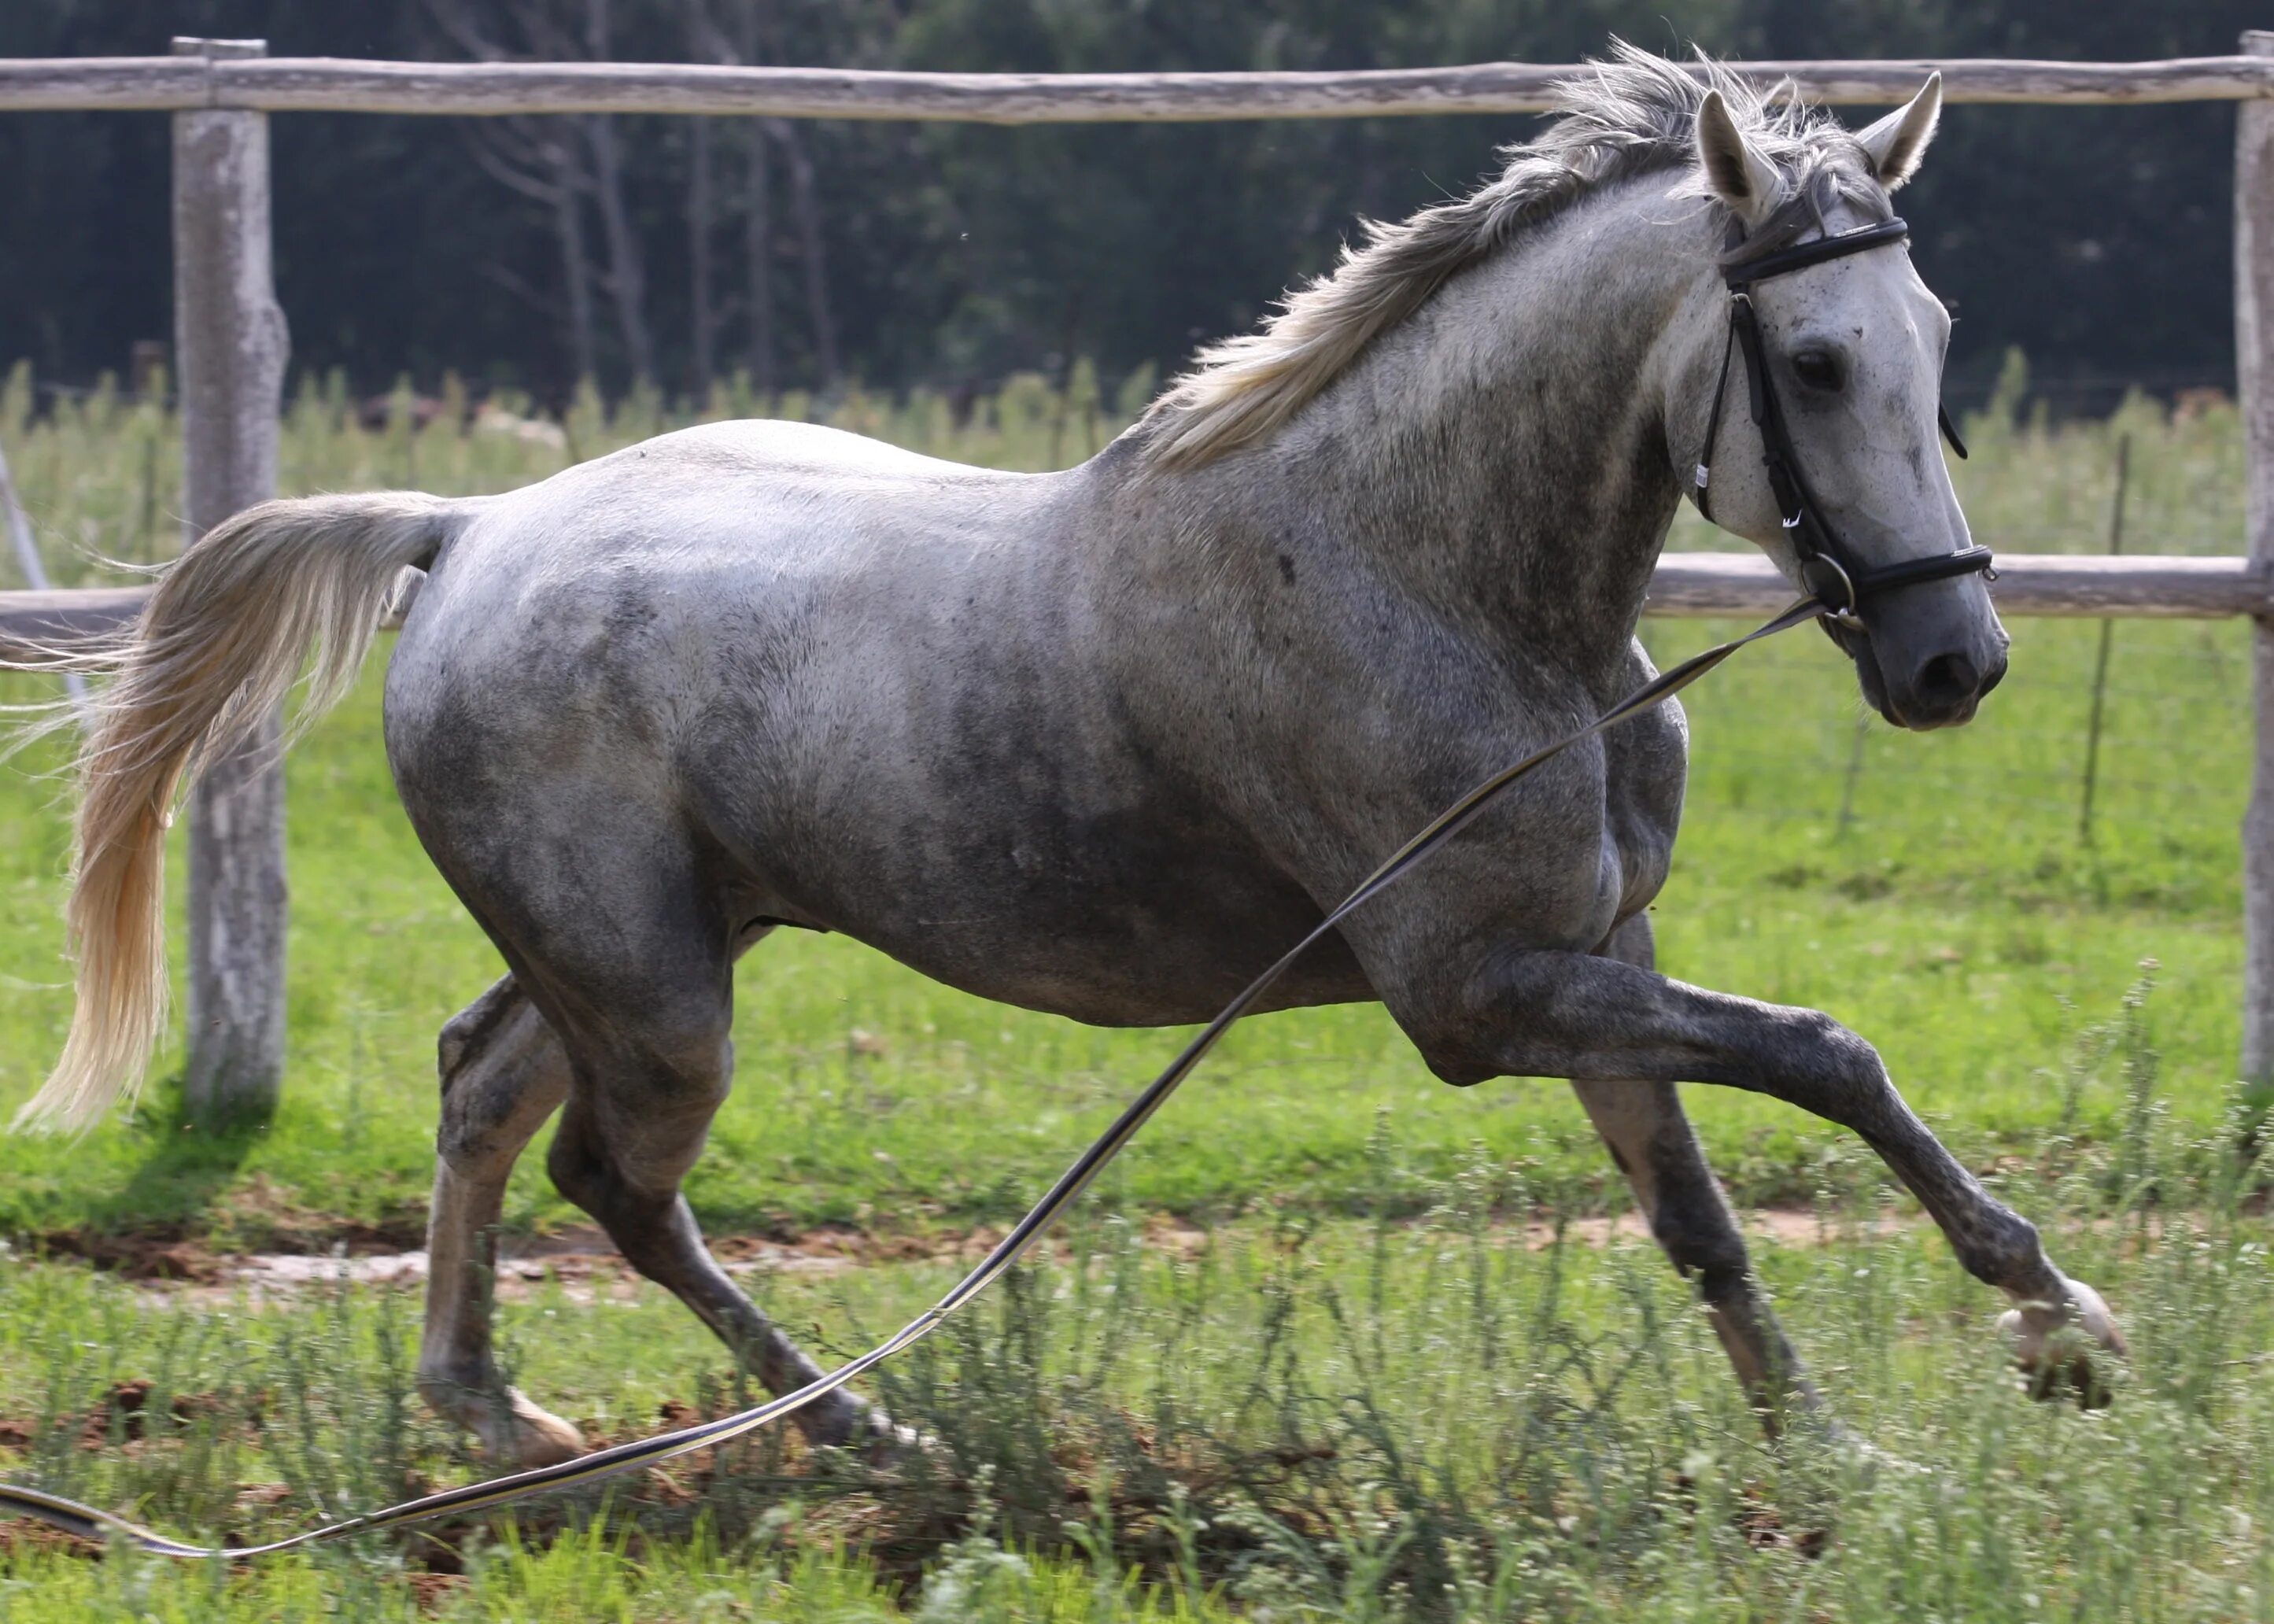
1827	596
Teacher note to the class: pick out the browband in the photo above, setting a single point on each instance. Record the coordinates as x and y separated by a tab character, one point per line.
1800	256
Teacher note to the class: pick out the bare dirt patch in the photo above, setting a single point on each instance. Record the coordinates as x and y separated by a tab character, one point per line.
582	1264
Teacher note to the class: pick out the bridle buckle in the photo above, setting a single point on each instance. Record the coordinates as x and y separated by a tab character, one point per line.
1830	585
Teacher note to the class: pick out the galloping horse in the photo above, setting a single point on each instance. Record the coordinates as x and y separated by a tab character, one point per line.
1102	742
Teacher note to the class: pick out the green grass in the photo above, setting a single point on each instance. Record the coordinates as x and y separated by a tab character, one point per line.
1329	1412
1424	1421
1953	915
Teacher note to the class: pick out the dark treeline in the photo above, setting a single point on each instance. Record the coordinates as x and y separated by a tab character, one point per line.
812	255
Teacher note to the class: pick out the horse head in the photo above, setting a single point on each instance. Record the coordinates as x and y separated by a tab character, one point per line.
1852	347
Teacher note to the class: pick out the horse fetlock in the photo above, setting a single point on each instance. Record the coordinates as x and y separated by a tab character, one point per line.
512	1430
2000	1247
529	1436
886	1444
2062	1341
840	1421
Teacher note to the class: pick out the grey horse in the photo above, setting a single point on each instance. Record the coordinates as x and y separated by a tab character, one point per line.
1104	742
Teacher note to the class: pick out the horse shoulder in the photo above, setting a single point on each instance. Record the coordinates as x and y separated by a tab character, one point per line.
1646	763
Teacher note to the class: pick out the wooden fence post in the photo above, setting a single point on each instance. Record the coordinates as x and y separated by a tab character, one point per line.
2253	357
230	338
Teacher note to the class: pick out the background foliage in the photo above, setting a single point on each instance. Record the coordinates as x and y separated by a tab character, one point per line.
2096	239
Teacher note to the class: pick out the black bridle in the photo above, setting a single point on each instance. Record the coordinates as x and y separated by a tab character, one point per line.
1827	565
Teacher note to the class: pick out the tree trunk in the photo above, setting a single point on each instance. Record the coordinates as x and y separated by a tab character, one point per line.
757	249
627	275
698	252
754	24
576	263
808	206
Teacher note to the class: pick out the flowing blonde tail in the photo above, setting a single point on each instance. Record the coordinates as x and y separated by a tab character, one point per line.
222	638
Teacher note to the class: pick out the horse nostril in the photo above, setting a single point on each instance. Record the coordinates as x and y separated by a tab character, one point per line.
1949	679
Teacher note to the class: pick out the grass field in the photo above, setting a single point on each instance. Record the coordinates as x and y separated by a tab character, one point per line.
1935	893
1343	1420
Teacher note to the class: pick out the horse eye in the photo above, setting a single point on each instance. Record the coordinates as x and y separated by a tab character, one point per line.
1816	369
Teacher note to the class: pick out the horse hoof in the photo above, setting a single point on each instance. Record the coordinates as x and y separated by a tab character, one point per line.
2063	1348
1869	1459
885	1445
532	1437
873	1437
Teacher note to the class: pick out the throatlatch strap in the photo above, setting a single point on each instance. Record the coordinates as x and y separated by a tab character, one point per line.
1703	479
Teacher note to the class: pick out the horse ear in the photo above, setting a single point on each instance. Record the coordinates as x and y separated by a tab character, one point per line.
1738	174
1897	142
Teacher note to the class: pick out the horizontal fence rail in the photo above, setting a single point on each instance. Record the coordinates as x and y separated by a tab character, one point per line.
63	618
1690	585
325	84
1686	586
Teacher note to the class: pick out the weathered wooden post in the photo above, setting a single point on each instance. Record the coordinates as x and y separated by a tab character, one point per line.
229	339
2254	359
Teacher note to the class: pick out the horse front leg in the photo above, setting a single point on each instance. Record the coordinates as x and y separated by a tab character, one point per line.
1563	1014
1649	1136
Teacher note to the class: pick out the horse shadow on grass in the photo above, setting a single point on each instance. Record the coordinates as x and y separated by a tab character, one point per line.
143	1226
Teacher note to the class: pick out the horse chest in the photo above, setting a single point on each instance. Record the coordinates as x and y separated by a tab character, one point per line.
1645	775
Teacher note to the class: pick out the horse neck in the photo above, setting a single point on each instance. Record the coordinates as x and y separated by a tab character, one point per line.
1503	451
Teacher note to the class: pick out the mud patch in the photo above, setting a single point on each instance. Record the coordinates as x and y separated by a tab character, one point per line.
581	1262
164	1254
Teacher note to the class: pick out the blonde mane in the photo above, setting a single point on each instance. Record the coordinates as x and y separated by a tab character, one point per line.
1624	117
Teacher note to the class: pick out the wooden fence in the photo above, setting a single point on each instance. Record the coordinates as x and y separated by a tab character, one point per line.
231	342
249	83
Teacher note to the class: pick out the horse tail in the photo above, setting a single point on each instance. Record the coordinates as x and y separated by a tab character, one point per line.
222	638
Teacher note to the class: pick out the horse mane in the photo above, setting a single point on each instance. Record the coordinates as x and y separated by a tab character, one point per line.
1627	116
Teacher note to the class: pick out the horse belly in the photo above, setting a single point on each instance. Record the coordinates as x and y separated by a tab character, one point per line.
1133	916
1094	976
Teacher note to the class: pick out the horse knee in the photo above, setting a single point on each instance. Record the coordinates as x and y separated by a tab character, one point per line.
647	1076
578	1171
621	1150
502	1072
1818	1053
692	1076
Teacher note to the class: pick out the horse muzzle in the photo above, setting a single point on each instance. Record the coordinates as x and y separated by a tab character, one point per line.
1941	687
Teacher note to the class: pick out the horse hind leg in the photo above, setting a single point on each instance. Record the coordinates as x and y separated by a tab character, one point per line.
503	1072
638	1202
650	1067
